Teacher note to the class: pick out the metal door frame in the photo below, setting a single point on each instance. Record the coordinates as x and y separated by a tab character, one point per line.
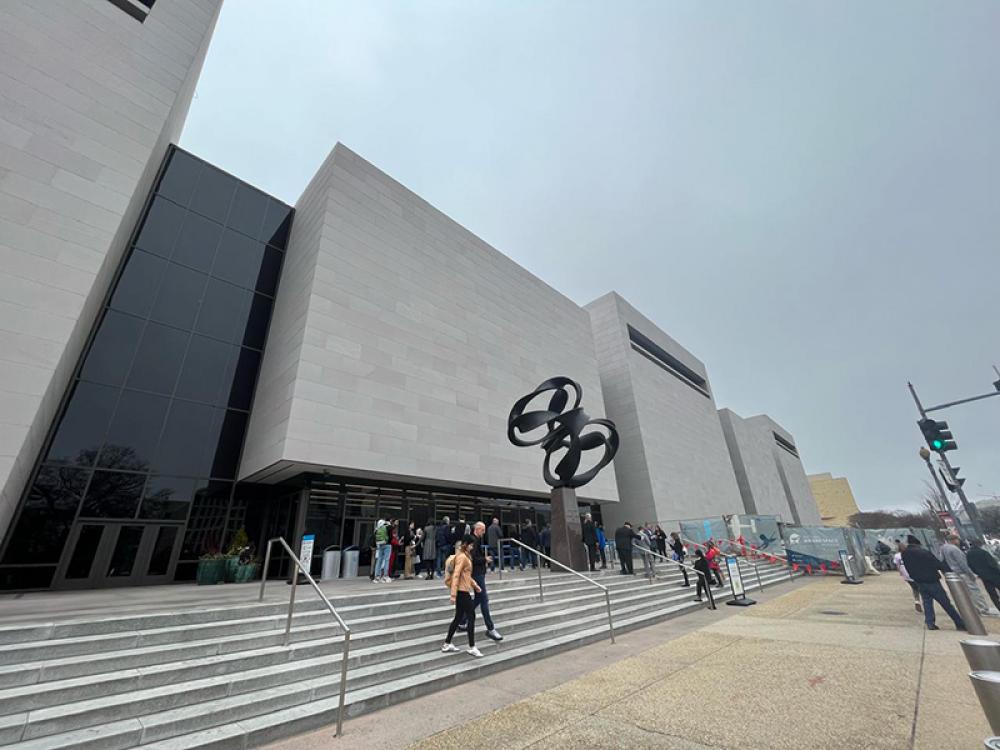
98	576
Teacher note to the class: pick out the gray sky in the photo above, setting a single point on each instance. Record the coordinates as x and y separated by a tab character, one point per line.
805	194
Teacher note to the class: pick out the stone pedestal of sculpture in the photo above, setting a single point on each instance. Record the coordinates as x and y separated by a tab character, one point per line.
567	533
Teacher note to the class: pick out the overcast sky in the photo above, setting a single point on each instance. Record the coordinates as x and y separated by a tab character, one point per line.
805	194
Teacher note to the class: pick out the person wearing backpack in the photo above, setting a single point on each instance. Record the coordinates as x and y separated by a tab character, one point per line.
458	578
382	551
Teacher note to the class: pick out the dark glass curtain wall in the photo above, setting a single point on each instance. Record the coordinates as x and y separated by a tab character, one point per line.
137	480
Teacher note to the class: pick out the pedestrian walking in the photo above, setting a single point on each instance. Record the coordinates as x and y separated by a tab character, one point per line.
925	570
954	557
428	552
984	565
442	544
590	540
478	553
624	537
602	542
897	560
458	577
678	553
493	536
661	540
530	537
645	542
712	555
545	539
383	550
704	574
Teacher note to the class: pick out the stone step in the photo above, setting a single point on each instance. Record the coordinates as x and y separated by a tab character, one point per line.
271	663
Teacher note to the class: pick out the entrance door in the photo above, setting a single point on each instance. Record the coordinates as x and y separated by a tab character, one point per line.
101	555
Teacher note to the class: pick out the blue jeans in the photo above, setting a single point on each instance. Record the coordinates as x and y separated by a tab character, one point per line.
528	558
934	592
442	556
482	600
382	560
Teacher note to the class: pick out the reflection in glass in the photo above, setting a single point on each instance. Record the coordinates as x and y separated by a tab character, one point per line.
47	515
223	311
256	328
205	525
159	232
244	379
167	498
135	431
213	195
126	548
159	359
238	259
227	454
111	353
179	297
247	212
208	371
86	549
159	561
137	286
84	424
197	242
270	268
180	177
113	494
188	440
277	224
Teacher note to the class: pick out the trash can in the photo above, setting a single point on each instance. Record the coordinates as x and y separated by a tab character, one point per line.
349	559
331	562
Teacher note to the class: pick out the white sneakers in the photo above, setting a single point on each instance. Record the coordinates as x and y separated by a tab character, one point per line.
474	652
381	580
449	648
494	635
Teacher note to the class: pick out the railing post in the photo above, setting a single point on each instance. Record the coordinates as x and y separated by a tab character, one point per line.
291	604
708	588
267	564
538	565
343	683
611	625
756	569
500	555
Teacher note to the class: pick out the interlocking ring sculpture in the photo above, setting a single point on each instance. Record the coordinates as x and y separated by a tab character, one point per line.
565	431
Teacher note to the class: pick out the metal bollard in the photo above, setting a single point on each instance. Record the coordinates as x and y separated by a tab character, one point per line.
992	743
982	655
963	603
987	687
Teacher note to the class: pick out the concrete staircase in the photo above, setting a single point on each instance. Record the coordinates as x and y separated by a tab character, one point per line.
222	678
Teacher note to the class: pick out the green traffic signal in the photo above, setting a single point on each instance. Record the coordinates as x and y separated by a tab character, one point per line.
937	444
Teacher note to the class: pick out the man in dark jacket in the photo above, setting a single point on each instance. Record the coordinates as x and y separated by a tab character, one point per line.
493	536
590	539
925	571
623	544
443	548
480	553
985	566
530	537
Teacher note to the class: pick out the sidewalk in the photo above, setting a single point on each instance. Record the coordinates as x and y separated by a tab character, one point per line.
820	666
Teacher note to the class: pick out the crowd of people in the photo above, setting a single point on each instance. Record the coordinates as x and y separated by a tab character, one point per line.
922	570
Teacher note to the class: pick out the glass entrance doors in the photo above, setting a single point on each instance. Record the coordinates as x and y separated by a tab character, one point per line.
101	555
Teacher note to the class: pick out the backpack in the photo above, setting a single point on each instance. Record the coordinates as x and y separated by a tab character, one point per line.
449	570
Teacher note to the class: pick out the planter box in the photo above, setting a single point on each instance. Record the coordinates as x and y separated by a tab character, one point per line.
211	571
245	573
232	563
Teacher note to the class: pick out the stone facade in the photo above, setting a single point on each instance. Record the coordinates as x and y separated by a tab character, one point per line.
834	499
673	463
83	129
400	341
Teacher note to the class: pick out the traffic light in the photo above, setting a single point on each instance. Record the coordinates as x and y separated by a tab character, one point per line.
937	435
951	478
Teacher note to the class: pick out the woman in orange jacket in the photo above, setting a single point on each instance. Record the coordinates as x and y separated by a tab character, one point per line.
463	588
712	555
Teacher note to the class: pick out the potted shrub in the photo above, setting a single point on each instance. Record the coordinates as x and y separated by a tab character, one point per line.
211	568
240	542
246	569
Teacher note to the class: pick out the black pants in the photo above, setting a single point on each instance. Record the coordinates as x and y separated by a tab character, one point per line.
702	585
991	589
685	572
625	558
604	560
934	592
718	575
465	610
592	555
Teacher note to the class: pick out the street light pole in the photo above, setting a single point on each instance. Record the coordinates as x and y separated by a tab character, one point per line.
945	505
970	509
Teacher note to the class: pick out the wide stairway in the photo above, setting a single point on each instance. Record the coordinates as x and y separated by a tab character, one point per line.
223	678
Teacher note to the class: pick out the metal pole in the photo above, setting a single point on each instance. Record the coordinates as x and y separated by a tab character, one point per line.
945	505
708	588
964	605
500	555
267	564
760	585
962	401
538	565
291	604
343	683
982	655
611	625
987	687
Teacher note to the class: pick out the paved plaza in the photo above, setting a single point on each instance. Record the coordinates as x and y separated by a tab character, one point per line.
819	666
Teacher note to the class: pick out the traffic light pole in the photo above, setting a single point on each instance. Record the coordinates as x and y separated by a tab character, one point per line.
970	509
945	503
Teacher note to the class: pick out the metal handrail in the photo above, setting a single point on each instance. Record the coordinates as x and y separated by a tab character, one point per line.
605	589
708	581
781	560
750	548
291	605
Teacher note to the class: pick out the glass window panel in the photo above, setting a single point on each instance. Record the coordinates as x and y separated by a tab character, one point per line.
47	515
113	494
249	208
244	379
135	431
256	326
197	243
180	177
111	353
208	371
270	269
238	259
167	498
223	311
205	526
137	286
26	578
179	297
159	561
189	439
161	227
126	548
277	223
84	424
227	454
213	194
159	359
85	550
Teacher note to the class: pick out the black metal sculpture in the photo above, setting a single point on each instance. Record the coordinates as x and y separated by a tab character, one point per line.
565	430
